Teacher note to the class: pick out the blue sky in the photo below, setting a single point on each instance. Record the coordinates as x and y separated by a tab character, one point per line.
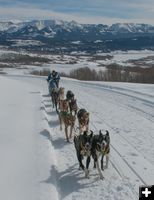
83	11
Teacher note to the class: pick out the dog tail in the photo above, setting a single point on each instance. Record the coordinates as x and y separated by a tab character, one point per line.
75	142
75	138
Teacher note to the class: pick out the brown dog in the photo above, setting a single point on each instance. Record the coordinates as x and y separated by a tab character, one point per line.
66	118
61	96
73	106
83	119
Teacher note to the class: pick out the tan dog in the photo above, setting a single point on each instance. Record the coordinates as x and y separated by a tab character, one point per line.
61	96
83	119
66	118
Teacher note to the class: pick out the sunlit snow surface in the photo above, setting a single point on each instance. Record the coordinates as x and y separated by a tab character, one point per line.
37	162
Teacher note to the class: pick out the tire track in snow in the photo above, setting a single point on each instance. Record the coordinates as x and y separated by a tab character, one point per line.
117	132
123	138
139	111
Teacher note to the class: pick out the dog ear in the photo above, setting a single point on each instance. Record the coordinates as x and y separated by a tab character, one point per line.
107	132
88	113
100	133
85	133
91	133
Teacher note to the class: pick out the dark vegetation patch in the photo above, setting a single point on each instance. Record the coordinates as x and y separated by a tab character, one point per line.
114	73
22	59
43	72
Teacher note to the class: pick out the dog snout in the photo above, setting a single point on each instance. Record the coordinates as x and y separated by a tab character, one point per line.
103	145
87	145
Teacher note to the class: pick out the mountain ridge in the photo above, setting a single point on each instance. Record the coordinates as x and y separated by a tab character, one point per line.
61	34
40	24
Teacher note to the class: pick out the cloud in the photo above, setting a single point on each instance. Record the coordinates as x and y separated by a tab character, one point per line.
83	11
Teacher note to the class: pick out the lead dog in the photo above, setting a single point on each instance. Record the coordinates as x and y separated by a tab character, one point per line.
101	147
82	145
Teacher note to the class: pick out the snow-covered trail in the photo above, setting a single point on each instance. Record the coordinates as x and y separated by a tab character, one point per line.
71	183
131	160
122	111
126	111
116	109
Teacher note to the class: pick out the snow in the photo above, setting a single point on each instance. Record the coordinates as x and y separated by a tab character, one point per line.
123	57
119	57
25	155
61	63
5	51
68	67
37	162
98	41
133	55
76	42
40	25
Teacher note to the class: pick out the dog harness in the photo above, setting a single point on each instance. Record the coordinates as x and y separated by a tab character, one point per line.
83	121
65	113
73	105
67	116
85	151
103	152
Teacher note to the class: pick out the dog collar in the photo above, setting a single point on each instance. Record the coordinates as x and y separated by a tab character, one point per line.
103	152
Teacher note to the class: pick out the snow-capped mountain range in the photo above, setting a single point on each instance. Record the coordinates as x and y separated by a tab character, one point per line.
62	32
59	25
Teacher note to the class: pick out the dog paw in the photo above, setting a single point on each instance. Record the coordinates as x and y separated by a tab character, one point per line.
88	177
105	167
86	173
102	177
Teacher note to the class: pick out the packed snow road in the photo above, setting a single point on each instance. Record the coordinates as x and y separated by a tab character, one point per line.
39	163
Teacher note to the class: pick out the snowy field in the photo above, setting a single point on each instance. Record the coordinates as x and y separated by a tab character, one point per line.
64	63
38	164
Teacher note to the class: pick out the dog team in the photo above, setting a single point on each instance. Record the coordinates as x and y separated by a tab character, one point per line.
87	144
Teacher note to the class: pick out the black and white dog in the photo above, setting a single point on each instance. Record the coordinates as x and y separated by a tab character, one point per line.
100	147
83	144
